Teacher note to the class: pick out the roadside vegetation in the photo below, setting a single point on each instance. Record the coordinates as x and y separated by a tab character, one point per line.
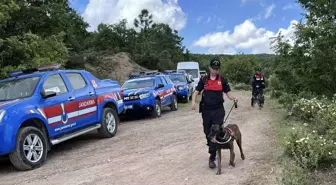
301	77
304	82
301	74
55	33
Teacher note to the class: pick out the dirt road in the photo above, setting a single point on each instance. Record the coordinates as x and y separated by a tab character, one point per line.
169	150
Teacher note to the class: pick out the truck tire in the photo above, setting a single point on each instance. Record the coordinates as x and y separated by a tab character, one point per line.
157	109
192	92
30	149
186	100
109	123
173	105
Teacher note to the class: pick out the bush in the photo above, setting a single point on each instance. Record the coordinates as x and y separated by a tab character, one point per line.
287	100
313	145
309	149
307	110
275	86
320	112
242	86
325	121
292	174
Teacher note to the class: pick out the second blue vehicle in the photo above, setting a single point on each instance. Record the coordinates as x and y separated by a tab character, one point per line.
183	86
148	94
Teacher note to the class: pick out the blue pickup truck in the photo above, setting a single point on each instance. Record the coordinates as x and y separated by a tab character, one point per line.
46	106
149	93
182	85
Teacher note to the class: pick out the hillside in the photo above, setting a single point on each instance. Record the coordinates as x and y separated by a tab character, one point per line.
116	67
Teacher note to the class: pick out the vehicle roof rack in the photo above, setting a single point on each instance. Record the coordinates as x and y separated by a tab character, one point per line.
181	71
138	74
18	73
170	71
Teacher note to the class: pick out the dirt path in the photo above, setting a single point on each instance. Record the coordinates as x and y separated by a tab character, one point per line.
169	150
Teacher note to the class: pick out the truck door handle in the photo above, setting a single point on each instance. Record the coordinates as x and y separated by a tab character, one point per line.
90	93
71	98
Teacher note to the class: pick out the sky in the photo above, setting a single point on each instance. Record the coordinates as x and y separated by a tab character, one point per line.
207	26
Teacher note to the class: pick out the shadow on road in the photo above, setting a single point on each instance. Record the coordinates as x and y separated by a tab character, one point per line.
140	116
56	150
73	144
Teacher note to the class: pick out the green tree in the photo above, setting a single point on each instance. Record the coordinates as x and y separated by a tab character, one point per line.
187	55
144	20
309	65
30	50
240	69
156	44
44	18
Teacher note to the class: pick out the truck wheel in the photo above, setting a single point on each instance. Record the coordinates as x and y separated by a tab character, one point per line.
30	149
109	123
174	105
157	109
186	100
190	97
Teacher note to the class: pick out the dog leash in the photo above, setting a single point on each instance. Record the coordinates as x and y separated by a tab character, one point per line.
234	105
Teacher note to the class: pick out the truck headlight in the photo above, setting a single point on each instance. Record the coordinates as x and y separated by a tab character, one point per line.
181	88
2	115
143	96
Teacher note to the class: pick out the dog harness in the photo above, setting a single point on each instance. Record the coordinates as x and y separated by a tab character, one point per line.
227	137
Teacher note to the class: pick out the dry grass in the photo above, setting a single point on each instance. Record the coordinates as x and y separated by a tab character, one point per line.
116	67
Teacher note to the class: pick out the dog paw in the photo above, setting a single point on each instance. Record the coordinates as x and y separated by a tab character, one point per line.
232	164
243	157
218	172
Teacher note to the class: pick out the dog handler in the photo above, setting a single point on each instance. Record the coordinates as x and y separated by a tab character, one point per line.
211	106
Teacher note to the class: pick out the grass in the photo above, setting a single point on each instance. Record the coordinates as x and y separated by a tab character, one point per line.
184	105
188	105
241	86
291	173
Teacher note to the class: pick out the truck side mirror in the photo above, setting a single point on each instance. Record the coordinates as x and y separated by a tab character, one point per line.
48	94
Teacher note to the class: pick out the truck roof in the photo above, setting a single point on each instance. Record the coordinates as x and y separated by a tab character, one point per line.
188	65
176	74
39	74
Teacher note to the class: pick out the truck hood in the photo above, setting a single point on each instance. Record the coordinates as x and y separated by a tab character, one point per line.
136	91
10	103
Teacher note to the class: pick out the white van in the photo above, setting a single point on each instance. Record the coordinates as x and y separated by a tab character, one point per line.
190	68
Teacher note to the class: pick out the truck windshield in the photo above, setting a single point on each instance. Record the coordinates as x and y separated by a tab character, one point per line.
193	72
18	88
138	83
177	78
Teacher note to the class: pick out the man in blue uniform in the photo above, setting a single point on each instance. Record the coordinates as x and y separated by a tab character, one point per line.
211	106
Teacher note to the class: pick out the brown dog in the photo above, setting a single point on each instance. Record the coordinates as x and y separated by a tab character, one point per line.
223	138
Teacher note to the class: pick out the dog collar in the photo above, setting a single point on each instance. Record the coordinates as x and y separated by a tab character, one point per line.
214	140
229	131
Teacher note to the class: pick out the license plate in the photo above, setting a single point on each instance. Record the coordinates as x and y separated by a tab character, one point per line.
129	107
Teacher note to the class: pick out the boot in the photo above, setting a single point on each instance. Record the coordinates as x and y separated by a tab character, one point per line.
212	159
212	164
